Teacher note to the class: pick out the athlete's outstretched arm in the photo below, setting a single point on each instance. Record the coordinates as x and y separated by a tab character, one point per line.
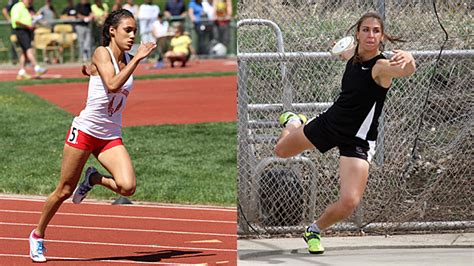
102	62
401	64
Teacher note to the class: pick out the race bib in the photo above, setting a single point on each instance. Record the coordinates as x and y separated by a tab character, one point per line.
73	135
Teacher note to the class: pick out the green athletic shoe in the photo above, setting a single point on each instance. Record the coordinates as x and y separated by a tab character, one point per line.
314	242
303	118
286	116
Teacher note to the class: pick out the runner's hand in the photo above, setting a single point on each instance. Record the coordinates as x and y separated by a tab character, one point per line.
145	50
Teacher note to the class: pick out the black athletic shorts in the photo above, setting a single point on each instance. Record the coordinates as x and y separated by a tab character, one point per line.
320	135
24	37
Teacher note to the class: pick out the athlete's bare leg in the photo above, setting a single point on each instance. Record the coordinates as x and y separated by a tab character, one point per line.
292	141
117	161
71	169
353	174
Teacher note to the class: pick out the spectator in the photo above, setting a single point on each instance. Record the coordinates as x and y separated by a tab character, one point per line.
6	13
22	22
208	9
6	10
130	6
83	30
209	20
223	15
175	8
181	48
47	14
69	12
147	14
160	29
200	20
100	11
117	5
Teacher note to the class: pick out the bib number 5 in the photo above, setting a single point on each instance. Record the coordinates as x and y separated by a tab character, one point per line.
73	135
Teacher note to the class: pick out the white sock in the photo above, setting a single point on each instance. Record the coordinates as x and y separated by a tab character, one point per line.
295	120
22	72
37	67
314	228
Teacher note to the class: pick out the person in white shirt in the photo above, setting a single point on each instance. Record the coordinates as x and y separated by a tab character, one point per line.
160	29
209	10
130	6
147	14
97	129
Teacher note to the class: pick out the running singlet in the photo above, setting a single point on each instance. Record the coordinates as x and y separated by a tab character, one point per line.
102	117
359	105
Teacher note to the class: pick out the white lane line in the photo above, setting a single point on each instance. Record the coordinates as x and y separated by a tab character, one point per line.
138	205
119	244
104	260
124	217
122	229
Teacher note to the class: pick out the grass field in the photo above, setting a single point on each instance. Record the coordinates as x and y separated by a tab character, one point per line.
174	163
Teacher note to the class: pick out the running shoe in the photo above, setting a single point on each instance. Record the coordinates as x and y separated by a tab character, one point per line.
37	248
287	116
40	70
303	118
314	242
81	191
23	76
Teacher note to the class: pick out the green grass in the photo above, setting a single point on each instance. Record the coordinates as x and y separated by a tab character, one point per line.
174	163
141	77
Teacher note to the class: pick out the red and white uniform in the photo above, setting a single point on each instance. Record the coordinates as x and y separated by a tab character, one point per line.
102	117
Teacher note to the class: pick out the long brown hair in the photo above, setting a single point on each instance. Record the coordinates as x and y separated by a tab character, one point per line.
376	16
113	20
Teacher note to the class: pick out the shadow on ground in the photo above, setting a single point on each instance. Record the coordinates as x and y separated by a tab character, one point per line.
146	256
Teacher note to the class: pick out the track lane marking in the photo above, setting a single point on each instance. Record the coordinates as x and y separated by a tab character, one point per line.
124	217
122	229
171	206
204	241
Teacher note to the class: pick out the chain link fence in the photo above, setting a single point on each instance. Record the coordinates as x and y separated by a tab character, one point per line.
284	64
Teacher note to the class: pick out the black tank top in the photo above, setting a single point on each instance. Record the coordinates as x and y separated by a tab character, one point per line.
356	111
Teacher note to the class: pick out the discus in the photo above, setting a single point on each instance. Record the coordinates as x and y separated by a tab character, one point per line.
343	45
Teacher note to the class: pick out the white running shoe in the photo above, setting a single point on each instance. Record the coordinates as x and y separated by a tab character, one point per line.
37	248
81	191
40	70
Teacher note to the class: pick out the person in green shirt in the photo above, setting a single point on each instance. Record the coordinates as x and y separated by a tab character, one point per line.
99	11
22	23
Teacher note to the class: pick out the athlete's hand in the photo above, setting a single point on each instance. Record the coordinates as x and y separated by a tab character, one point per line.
401	58
145	50
86	71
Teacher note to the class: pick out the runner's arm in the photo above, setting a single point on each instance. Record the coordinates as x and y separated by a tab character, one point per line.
102	63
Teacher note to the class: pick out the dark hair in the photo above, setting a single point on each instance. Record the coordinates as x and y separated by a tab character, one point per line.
113	20
97	2
376	16
180	28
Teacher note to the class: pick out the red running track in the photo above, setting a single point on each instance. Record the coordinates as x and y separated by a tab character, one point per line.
97	233
155	102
